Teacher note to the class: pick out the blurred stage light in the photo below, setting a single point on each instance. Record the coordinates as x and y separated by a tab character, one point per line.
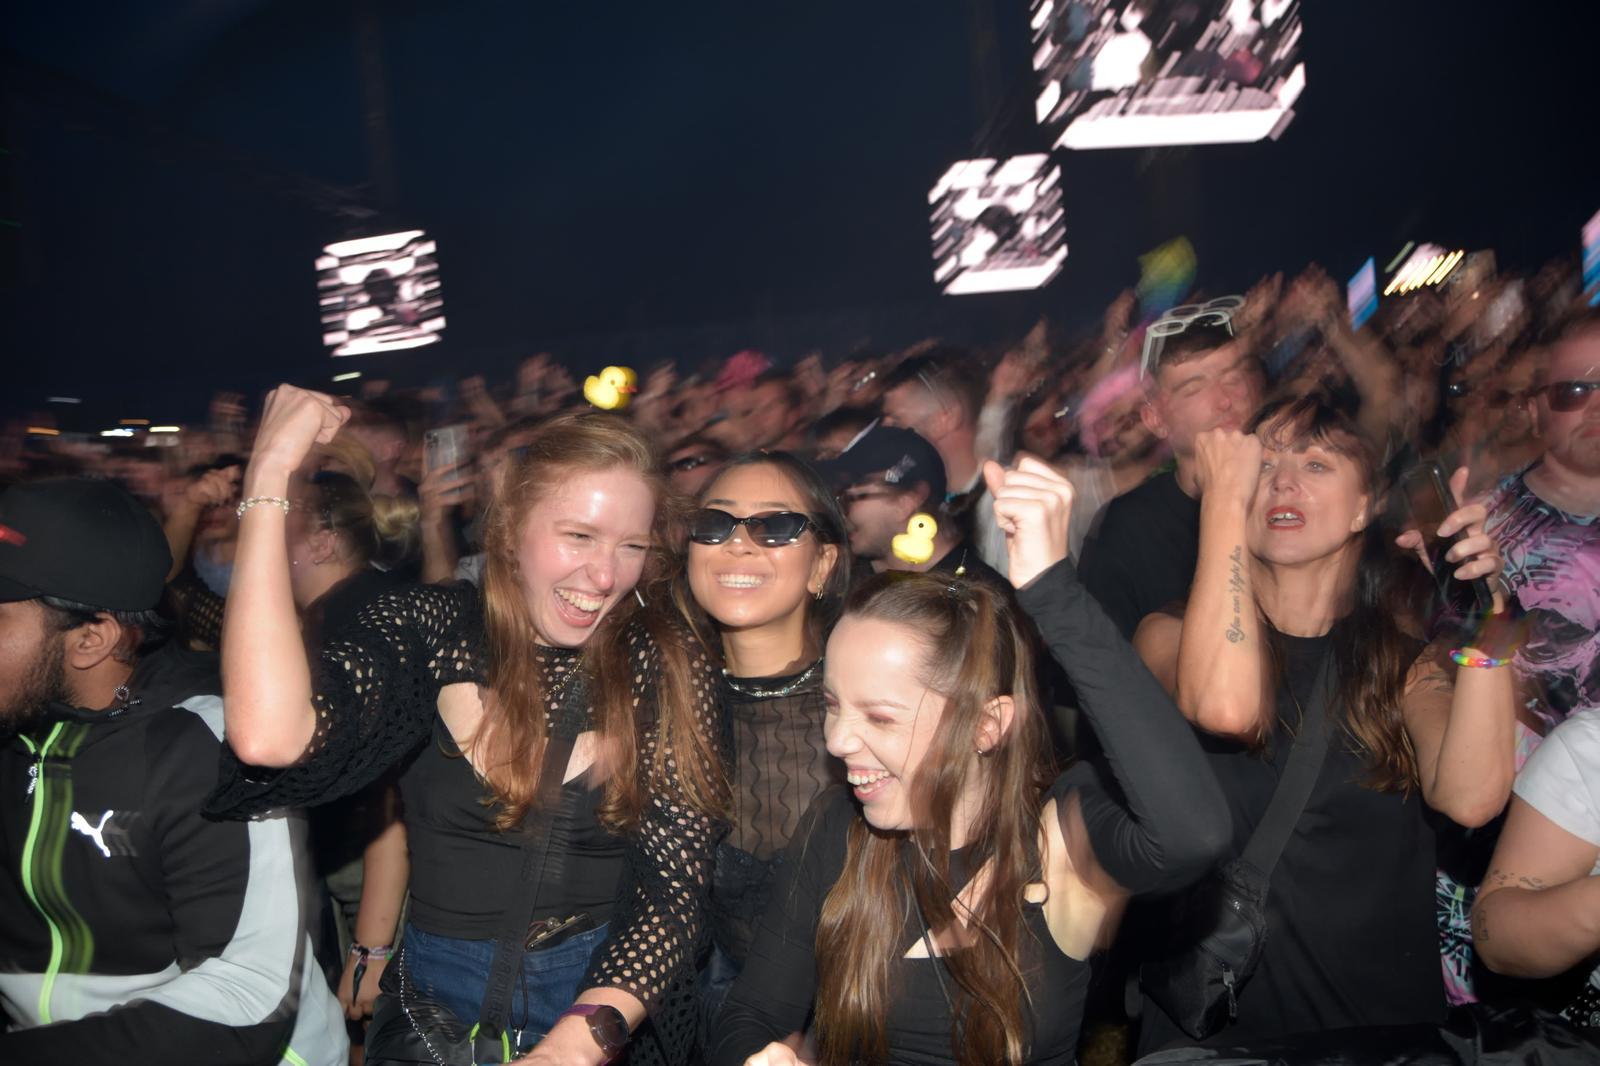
166	429
1361	295
347	377
43	431
1428	265
134	422
998	225
1114	75
116	432
63	399
1591	259
380	294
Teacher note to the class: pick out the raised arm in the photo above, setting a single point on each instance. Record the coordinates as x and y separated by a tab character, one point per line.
1462	720
1170	823
270	719
1221	656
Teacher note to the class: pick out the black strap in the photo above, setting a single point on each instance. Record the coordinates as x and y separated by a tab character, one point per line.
543	857
1299	778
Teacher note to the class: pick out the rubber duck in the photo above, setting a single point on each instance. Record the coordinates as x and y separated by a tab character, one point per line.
915	545
611	389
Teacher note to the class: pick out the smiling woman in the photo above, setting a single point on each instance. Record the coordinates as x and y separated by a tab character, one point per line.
767	570
467	694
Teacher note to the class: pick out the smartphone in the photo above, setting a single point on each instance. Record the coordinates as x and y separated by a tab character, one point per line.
444	447
1430	501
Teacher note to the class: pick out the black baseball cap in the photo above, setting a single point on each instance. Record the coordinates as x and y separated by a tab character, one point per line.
893	455
81	539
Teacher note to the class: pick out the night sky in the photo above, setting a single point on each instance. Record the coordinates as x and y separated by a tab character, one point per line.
630	182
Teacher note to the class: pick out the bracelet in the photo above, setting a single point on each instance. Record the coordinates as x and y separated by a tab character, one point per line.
1464	657
245	505
380	953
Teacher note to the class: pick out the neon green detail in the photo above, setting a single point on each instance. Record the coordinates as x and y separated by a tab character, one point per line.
472	1034
505	1045
27	878
292	1058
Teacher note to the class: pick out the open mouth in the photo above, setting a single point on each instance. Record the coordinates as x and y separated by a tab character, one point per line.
1285	518
868	783
740	581
580	609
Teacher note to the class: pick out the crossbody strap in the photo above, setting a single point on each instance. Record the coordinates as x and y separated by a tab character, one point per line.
1299	778
543	860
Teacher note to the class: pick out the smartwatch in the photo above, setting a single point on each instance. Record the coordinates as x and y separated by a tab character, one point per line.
606	1024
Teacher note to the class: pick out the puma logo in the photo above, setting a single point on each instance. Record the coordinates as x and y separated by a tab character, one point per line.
93	832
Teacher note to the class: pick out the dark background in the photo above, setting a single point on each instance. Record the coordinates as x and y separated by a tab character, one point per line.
628	182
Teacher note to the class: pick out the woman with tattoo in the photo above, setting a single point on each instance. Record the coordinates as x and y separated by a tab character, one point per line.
1294	572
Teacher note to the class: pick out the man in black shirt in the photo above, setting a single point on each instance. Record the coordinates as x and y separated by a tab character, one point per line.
887	475
1144	555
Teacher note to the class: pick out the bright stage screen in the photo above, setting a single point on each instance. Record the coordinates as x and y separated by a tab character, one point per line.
380	294
1139	73
998	225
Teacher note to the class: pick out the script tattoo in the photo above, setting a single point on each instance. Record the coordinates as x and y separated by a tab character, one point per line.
1236	587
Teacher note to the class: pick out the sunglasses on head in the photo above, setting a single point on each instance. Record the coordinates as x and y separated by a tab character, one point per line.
774	529
1567	396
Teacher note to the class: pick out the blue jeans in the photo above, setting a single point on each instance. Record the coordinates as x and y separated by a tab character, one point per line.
454	972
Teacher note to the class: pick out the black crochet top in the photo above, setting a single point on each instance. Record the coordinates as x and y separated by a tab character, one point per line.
376	687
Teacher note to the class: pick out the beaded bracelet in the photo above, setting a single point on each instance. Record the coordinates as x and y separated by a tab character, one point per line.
1463	657
245	505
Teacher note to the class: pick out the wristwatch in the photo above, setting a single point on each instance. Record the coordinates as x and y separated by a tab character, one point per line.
606	1024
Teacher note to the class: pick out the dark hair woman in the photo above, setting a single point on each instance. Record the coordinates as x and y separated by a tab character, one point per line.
574	635
1295	570
944	909
768	567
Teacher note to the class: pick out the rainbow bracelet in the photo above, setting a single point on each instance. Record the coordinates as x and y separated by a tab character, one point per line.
1463	657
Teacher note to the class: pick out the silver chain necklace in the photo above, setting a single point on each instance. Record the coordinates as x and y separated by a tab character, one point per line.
767	694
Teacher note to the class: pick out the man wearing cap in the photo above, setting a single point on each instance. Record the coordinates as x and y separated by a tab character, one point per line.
135	929
886	476
1199	378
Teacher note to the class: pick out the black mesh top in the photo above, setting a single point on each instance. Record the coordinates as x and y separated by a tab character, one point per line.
376	690
779	765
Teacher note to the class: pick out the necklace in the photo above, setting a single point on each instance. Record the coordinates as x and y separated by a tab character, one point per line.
767	694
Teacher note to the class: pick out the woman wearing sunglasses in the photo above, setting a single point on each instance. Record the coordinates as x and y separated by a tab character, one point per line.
944	910
573	638
768	566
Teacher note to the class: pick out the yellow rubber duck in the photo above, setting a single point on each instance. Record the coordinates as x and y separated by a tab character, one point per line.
915	545
611	389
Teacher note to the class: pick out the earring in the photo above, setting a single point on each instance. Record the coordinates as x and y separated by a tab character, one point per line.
638	595
817	595
984	753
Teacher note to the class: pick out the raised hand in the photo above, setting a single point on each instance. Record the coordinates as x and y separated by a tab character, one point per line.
1033	508
1227	466
294	421
1477	552
213	488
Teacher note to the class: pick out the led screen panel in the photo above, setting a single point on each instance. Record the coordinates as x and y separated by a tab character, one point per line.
997	225
380	294
1146	73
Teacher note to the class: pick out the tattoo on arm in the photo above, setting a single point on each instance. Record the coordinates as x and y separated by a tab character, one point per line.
1236	587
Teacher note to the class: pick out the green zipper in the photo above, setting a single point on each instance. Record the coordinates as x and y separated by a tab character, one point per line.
27	872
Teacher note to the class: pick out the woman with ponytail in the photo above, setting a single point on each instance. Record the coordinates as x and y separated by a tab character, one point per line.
945	907
573	638
1296	572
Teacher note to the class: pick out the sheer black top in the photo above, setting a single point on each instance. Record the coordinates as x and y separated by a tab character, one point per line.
779	765
1156	820
376	689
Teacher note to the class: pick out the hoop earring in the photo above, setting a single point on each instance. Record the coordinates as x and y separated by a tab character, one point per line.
817	595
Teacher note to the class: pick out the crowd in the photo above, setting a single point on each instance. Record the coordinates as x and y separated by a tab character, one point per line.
928	706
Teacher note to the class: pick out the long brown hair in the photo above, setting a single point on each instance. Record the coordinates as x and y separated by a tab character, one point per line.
514	730
974	651
1372	652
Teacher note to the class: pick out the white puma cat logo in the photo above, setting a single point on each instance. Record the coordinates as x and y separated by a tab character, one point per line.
93	832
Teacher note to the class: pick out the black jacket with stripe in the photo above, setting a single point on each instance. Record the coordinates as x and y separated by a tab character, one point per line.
135	928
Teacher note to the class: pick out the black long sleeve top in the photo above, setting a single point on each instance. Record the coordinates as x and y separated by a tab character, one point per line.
1156	821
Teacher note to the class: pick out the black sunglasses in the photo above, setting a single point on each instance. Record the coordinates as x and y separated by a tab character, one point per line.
1567	396
709	525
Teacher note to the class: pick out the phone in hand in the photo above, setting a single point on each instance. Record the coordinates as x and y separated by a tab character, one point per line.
1430	501
443	448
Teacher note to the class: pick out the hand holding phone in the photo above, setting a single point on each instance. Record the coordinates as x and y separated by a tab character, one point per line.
1451	540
